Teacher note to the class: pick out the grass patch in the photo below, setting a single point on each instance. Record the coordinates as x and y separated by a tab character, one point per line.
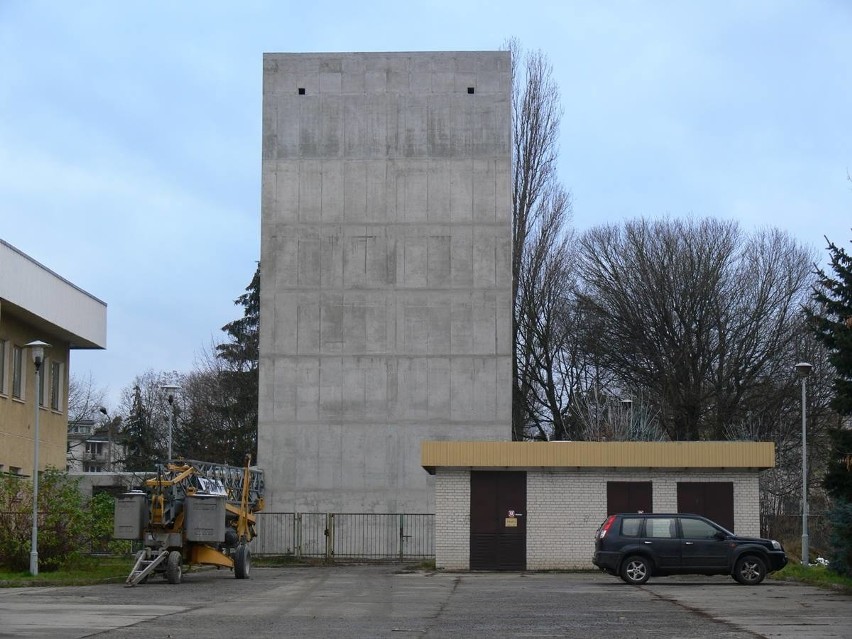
82	571
814	576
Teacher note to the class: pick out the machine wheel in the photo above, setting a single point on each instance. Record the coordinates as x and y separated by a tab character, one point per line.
749	570
242	562
636	570
173	567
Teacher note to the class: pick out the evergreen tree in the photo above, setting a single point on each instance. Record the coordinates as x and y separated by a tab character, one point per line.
219	419
141	453
239	374
832	324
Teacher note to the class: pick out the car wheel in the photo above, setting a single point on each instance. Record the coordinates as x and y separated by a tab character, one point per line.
749	570
173	567
636	570
242	562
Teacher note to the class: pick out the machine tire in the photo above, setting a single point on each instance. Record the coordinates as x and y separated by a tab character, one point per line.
749	570
173	567
636	570
242	562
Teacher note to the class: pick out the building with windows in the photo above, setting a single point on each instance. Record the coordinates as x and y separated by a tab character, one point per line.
38	304
386	302
94	448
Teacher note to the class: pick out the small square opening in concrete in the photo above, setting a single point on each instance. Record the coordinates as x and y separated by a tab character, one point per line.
471	90
301	90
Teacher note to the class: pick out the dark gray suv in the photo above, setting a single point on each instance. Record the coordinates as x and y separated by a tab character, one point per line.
635	546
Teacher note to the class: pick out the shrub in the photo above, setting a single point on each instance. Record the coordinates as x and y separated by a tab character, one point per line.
840	517
102	509
63	520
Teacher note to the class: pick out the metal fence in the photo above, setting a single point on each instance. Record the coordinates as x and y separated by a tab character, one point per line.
788	530
350	536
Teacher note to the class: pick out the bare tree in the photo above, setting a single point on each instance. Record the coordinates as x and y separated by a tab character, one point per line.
697	314
541	209
84	399
216	424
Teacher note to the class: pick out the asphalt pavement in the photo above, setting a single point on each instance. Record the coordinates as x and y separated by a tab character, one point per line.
387	601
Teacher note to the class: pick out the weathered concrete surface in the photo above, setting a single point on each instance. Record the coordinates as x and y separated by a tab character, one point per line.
385	269
377	601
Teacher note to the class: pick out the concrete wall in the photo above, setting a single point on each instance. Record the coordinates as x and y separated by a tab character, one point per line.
565	508
385	271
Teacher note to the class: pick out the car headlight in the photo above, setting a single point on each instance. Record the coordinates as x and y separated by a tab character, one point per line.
775	544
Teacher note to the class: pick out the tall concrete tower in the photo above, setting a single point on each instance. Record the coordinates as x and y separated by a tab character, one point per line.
385	271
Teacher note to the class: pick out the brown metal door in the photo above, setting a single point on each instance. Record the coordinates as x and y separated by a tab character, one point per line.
628	497
498	520
714	500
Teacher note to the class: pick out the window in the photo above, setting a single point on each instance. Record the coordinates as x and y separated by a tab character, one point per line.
659	527
55	386
697	529
2	366
630	526
41	384
17	372
94	448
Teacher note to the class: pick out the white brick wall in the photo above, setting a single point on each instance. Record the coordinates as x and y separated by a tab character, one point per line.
565	508
452	519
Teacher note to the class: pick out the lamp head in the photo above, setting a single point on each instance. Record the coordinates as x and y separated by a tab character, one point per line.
37	348
803	369
170	390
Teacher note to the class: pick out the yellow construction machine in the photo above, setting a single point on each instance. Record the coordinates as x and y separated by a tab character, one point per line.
191	513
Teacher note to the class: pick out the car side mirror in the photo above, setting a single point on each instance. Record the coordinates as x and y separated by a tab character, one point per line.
720	536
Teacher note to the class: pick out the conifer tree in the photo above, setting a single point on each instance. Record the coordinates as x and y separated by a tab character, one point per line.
831	321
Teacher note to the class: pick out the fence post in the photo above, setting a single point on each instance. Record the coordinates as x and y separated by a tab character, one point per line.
401	537
297	534
329	536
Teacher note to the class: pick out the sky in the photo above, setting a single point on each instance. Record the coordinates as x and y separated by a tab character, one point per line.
130	132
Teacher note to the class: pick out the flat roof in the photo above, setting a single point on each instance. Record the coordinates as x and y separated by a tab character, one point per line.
31	291
477	455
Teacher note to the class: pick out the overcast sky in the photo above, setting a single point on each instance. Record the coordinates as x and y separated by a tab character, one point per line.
130	132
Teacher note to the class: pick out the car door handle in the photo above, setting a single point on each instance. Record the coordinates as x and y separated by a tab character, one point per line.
648	542
689	543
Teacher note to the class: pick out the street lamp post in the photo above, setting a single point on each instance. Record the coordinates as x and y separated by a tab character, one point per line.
37	349
104	412
628	404
803	369
171	390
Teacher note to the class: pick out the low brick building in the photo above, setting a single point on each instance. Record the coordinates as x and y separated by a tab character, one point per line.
536	506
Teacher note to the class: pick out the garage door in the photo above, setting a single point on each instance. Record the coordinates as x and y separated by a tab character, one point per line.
713	499
498	520
628	497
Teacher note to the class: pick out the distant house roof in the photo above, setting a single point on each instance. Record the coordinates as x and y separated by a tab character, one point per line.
46	300
518	455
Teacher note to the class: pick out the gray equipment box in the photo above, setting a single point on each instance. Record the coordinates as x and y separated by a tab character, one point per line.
131	516
205	518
